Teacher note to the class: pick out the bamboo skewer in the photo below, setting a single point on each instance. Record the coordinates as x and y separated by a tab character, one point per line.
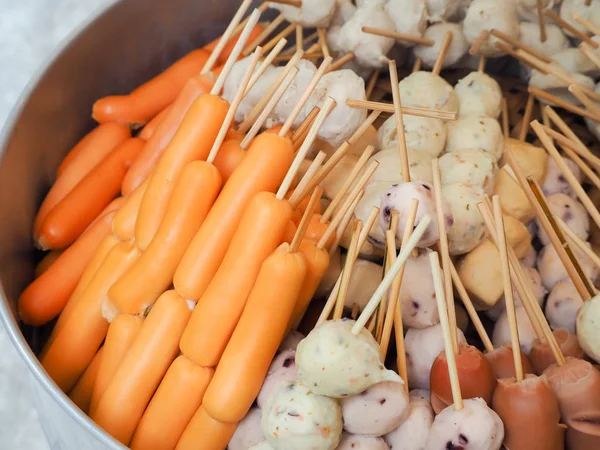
592	176
371	83
592	28
418	40
439	62
341	61
526	117
299	38
505	126
387	264
300	132
539	93
587	51
262	8
305	221
265	64
296	3
347	272
404	164
323	42
481	64
476	47
584	99
275	23
533	63
306	41
579	243
541	20
570	28
407	110
311	172
281	35
520	45
417	65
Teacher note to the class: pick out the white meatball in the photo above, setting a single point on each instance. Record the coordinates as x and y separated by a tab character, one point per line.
501	333
248	432
572	213
437	32
366	276
417	295
350	442
374	193
468	228
470	166
475	132
422	348
312	13
295	417
409	17
334	181
562	306
479	95
331	275
555	86
588	328
574	61
475	427
556	40
552	270
487	14
282	369
428	90
556	183
335	362
370	50
531	256
442	10
389	169
344	10
262	446
291	341
399	197
423	134
376	411
412	434
590	13
528	10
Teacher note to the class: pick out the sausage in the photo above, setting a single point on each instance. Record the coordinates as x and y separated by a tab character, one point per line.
83	332
152	274
81	394
283	368
229	158
248	432
123	224
71	216
475	376
91	150
150	98
191	142
143	366
156	145
174	403
150	128
46	262
47	295
503	364
412	433
121	333
263	169
215	434
530	413
541	355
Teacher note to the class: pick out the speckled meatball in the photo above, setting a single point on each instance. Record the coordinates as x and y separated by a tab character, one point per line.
590	13
475	132
556	40
437	32
428	90
479	95
487	14
282	369
409	17
446	10
572	213
501	334
530	258
389	169
552	270
557	87
312	13
562	306
556	183
587	326
422	134
469	166
417	296
412	434
351	442
291	341
248	432
468	228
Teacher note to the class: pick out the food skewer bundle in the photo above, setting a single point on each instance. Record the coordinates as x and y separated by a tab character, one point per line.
256	188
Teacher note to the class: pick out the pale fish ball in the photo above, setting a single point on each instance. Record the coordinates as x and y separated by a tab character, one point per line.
390	168
471	166
590	13
501	333
475	132
291	341
588	328
437	33
376	411
408	16
331	274
343	120
417	295
528	11
468	228
428	90
312	13
262	446
365	279
360	3
295	417
333	361
574	61
479	95
475	427
344	10
556	183
282	369
487	14
248	432
552	270
374	192
442	10
557	87
370	50
562	306
422	134
412	434
399	197
531	257
556	41
572	213
351	441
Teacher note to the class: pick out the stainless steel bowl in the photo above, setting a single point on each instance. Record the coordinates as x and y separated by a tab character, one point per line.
120	48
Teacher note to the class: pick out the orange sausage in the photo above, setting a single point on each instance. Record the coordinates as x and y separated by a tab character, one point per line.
299	211
215	316
176	400
123	224
81	394
193	141
142	368
114	205
151	97
228	48
152	274
263	169
86	201
215	435
46	262
121	333
156	145
256	337
150	128
229	158
234	135
85	329
93	149
316	230
47	295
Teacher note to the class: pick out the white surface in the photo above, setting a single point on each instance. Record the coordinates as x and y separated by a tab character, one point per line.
29	31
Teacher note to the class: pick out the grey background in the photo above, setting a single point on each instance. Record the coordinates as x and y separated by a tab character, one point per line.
30	30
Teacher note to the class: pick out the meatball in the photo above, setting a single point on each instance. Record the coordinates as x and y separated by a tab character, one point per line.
479	95
562	306
437	32
312	13
487	14
350	442
366	277
591	13
282	369
468	228
501	334
389	169
572	213
470	166
587	328
412	434
475	132
248	432
422	134
552	270
409	17
556	183
428	90
417	295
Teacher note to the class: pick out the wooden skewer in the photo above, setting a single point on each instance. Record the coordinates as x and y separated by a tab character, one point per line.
351	178
323	42
417	65
520	45
371	324
306	41
588	2
539	93
300	132
527	117
508	292
299	38
481	65
570	28
311	172
587	51
404	164
315	198
387	263
476	47
505	126
584	99
536	64
296	3
309	54
262	8
408	110
579	243
275	23
371	83
441	304
385	284
592	28
281	35
541	20
346	221
592	176
545	118
229	32
265	64
439	62
363	127
399	36
341	61
237	99
347	272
